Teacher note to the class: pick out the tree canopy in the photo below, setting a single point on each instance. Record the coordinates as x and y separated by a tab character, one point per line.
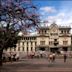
15	16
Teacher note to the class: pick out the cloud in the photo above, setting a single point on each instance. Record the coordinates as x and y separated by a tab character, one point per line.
61	19
33	33
48	9
62	16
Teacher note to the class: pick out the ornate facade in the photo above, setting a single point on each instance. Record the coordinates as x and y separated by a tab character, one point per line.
53	38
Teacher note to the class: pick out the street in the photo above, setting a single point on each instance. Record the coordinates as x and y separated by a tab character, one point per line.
38	65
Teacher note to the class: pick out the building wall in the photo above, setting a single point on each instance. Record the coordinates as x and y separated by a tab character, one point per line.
61	39
46	39
30	44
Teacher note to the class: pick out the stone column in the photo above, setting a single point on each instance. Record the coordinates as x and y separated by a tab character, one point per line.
33	46
25	50
29	47
21	46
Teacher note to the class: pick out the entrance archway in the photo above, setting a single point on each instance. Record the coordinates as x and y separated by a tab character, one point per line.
42	49
65	48
54	50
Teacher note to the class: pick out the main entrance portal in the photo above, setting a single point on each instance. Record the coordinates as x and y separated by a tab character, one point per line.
54	50
42	49
65	49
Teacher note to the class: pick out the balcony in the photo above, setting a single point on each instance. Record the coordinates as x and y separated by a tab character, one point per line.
53	46
42	45
56	41
68	35
66	45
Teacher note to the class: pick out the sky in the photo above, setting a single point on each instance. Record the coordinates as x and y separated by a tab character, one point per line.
59	11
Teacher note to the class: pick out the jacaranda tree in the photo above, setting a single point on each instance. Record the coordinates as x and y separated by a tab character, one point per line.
15	16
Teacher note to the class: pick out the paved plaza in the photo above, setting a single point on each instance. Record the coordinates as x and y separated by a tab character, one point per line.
38	65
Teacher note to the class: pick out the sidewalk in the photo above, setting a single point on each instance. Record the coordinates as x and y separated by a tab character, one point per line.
38	65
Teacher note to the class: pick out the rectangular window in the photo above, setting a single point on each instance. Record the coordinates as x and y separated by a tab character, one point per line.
31	43
34	38
50	42
23	48
31	48
65	42
68	31
18	48
30	38
24	38
27	48
23	43
42	42
27	43
45	31
62	31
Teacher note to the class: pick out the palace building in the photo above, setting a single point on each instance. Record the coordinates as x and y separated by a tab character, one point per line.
52	38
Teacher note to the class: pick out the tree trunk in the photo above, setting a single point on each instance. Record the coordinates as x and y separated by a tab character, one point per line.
1	51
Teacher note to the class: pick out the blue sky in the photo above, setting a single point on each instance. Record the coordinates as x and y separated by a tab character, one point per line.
59	11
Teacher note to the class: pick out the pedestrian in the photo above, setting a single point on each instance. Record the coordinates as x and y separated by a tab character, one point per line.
50	58
65	57
53	57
